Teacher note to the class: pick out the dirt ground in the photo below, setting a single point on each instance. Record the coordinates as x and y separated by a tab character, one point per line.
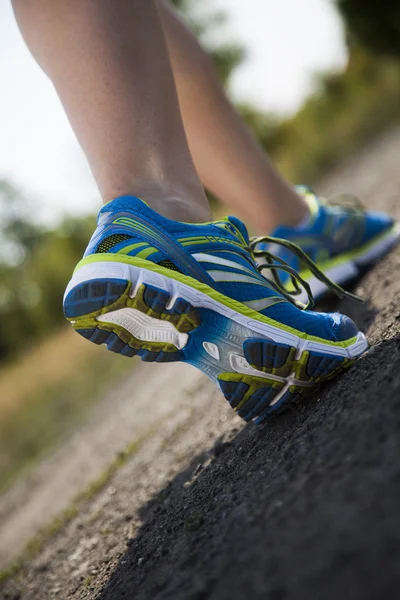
209	508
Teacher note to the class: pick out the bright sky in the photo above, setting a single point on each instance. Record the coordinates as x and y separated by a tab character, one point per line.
287	42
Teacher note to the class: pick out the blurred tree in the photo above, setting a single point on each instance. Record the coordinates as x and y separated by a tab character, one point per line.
31	292
376	24
346	110
35	264
19	233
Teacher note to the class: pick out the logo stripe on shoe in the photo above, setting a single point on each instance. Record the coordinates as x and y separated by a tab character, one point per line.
185	262
264	303
217	260
237	277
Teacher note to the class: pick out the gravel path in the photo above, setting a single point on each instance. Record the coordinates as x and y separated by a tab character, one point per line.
208	508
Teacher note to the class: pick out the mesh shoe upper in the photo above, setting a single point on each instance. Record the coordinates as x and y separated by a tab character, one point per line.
213	253
333	230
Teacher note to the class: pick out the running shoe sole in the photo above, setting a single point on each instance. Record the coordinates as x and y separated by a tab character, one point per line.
136	307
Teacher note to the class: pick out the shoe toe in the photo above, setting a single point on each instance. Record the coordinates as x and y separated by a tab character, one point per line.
376	223
344	328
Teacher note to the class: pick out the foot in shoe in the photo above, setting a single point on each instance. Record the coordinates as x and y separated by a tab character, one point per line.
170	291
343	240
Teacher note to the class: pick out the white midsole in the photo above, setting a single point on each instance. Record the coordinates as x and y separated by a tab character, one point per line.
177	289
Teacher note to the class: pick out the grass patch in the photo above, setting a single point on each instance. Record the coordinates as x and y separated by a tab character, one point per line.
35	544
88	581
119	461
46	393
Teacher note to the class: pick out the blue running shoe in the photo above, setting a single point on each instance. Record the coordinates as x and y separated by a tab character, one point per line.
342	241
170	291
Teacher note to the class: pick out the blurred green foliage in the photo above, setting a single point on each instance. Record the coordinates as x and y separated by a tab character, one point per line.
35	264
375	24
344	111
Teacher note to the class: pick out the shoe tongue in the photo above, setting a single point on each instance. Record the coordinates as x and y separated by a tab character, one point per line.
241	227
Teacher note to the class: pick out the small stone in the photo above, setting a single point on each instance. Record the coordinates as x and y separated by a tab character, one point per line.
140	561
373	350
198	469
56	589
132	530
111	490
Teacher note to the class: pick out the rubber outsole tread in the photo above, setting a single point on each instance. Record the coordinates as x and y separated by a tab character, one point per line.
314	366
261	404
93	296
234	392
114	343
256	402
287	399
320	365
157	300
249	395
266	355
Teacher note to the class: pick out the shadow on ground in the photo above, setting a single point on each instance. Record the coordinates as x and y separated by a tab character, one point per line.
304	507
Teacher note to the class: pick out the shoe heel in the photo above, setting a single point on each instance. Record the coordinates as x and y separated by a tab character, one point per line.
104	312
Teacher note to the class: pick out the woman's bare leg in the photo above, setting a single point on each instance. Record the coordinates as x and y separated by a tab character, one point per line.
228	158
109	64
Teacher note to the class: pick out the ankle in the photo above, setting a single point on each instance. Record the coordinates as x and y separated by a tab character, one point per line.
178	207
291	212
296	212
187	205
